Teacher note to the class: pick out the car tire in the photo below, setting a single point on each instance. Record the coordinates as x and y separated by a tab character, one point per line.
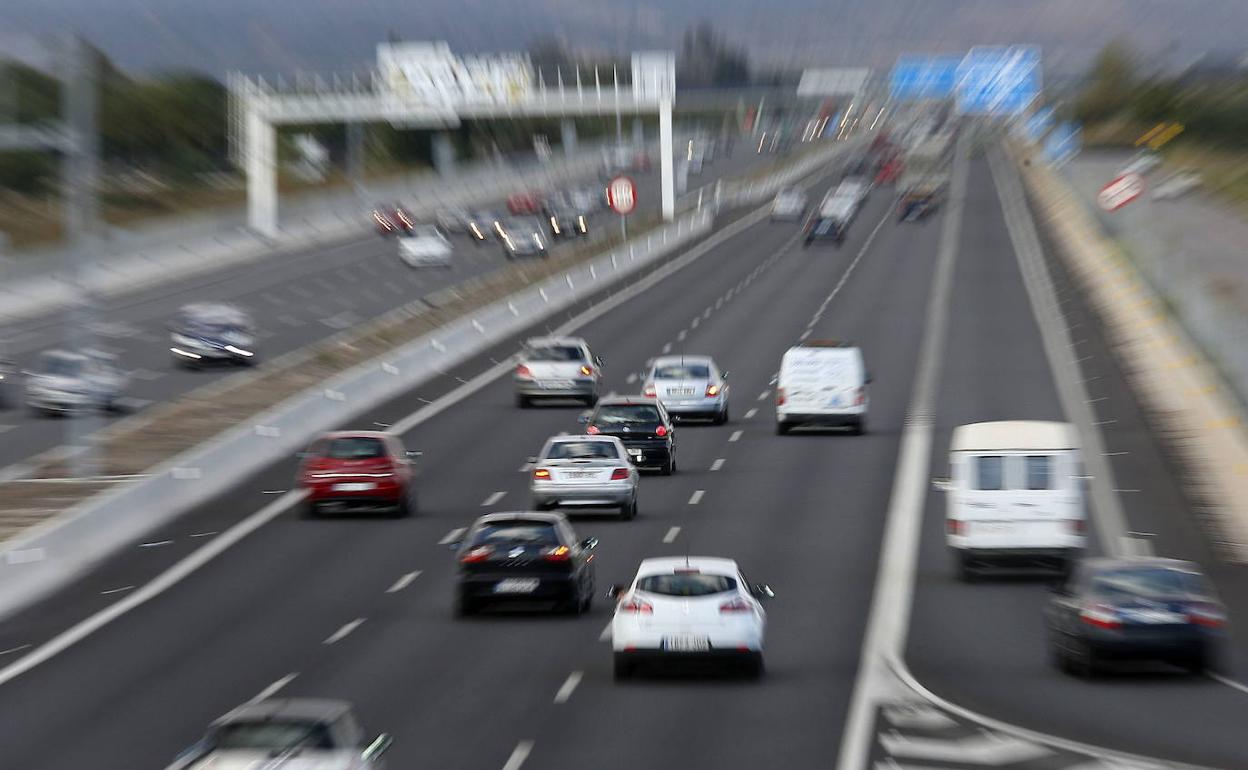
629	511
860	426
754	667
465	607
668	467
722	417
964	567
622	668
1196	664
406	506
1084	661
591	401
523	402
783	428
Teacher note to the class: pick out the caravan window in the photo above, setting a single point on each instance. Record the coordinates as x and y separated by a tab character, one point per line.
988	472
1039	471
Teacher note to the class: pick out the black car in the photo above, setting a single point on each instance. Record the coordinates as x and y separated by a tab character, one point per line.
1135	609
524	557
642	424
566	223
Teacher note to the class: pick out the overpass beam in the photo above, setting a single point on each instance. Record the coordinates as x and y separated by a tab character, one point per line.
667	182
261	173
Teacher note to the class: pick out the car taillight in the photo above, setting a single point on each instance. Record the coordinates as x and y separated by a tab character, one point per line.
636	606
736	605
541	473
712	390
559	553
779	396
619	474
648	391
660	431
592	430
1208	615
860	396
1076	526
956	527
478	554
1101	616
587	370
523	371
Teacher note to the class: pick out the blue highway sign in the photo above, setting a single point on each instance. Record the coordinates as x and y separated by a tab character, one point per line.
916	78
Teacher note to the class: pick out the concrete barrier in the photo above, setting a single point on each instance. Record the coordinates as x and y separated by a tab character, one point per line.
1195	408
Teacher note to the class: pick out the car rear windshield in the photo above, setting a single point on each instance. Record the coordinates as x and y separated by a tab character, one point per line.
619	414
273	735
1149	581
682	372
61	366
355	448
554	353
686	584
573	450
517	532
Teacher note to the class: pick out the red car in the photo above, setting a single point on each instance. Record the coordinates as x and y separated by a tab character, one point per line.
363	471
524	203
392	221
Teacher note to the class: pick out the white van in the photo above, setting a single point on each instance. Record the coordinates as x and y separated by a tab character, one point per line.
822	382
1015	495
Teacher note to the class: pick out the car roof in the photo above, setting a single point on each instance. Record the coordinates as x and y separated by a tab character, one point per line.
628	401
550	517
64	355
318	709
356	434
1014	434
663	565
582	437
536	341
678	360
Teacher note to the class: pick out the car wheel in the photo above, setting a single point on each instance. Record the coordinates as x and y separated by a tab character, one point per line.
965	567
629	511
1083	660
592	400
860	426
1196	664
523	402
406	507
722	417
668	467
622	668
782	428
754	667
311	510
465	606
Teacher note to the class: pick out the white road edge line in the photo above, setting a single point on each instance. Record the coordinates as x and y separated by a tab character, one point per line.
565	692
518	755
403	582
274	688
343	632
672	534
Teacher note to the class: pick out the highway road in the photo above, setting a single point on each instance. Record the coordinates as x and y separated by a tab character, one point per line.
362	608
296	298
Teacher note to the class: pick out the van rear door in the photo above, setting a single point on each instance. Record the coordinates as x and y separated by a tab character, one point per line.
1017	500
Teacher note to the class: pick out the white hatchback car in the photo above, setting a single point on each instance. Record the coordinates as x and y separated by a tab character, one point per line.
425	246
689	609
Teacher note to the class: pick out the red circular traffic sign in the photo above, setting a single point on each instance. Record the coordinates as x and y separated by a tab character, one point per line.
622	195
1120	192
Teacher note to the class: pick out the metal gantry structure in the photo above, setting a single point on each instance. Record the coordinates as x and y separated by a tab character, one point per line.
258	107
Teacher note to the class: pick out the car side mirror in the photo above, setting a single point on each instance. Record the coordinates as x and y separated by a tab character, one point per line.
868	379
723	375
413	454
589	543
763	591
942	484
380	745
598	360
583	418
614	591
1058	587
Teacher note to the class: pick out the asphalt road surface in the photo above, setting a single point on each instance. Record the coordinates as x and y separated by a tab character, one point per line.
804	513
296	299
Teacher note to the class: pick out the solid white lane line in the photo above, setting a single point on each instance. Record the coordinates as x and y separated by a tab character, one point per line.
518	756
736	436
343	632
156	544
1113	454
696	497
273	492
1216	677
452	536
719	463
672	534
116	590
805	335
763	396
749	415
631	378
492	499
403	582
569	685
606	633
12	650
273	689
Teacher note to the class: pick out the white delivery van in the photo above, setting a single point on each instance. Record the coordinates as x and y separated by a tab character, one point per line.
823	383
1015	495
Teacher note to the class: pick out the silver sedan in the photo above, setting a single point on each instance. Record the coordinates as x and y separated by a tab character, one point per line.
584	472
688	387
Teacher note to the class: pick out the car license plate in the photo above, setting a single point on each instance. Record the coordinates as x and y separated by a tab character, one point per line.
686	643
556	384
680	391
581	474
355	486
516	586
1152	617
993	527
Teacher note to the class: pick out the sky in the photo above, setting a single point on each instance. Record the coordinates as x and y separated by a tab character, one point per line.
324	36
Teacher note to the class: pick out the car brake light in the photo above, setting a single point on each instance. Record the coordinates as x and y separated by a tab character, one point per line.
636	606
660	431
587	370
1207	615
712	390
523	371
1076	526
592	430
736	605
957	527
541	473
1101	616
860	396
478	554
619	474
779	396
649	391
558	553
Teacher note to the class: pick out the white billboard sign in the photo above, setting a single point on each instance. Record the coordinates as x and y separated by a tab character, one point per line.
831	82
430	73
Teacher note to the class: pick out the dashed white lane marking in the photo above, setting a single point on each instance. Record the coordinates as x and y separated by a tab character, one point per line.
492	499
667	347
805	335
672	534
12	650
719	463
1110	421
696	497
763	396
1127	490
116	590
518	755
694	323
706	313
606	633
343	632
736	436
203	534
750	414
569	684
631	378
1113	454
156	544
451	536
273	689
6	428
403	582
